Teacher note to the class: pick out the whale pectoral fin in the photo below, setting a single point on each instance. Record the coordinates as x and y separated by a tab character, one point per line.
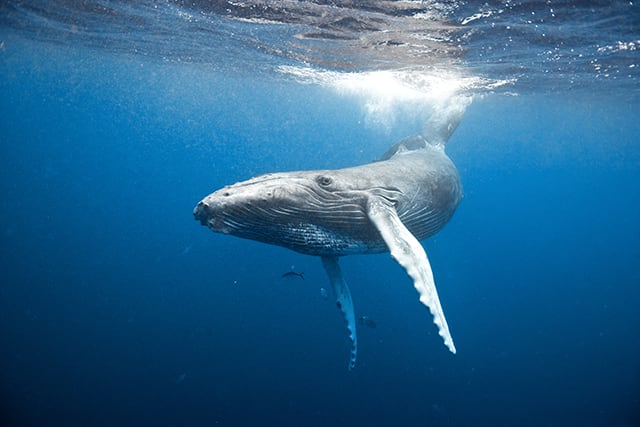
410	254
343	301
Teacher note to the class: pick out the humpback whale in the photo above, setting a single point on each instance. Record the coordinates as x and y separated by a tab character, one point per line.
388	205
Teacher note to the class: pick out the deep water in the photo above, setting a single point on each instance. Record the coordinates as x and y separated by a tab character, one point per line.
117	308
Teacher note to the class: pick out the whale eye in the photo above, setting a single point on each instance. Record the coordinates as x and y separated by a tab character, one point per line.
324	180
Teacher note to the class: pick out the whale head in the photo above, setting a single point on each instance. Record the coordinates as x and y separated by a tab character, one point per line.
312	212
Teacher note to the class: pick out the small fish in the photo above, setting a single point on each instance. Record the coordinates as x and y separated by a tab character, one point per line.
292	275
367	321
324	294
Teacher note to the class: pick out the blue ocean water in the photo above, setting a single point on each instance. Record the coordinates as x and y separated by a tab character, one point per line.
117	308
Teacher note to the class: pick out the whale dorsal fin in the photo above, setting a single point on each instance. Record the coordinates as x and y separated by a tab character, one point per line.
412	143
343	301
410	254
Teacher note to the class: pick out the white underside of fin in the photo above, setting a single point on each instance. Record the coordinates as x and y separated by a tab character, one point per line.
410	254
343	301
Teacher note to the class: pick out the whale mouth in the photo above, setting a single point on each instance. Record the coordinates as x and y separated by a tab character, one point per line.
208	216
201	213
211	218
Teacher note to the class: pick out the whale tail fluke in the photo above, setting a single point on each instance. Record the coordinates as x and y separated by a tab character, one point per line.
444	120
438	129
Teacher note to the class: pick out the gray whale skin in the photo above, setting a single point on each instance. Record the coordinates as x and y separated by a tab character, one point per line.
388	205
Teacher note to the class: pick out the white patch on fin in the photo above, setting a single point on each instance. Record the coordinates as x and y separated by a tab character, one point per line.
410	254
343	301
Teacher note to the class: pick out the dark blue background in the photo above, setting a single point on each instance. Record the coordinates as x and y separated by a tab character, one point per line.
117	308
